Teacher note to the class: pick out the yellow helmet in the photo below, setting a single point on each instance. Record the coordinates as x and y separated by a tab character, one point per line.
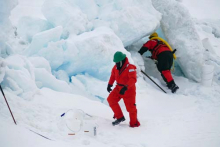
153	35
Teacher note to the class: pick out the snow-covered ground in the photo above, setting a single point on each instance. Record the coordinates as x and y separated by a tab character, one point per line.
189	118
58	60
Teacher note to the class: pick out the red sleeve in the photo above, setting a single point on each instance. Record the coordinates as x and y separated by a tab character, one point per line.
132	75
150	44
112	77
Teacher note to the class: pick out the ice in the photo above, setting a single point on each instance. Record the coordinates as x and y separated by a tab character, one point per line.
181	34
79	54
42	39
84	53
88	82
6	30
40	62
49	81
77	17
76	82
68	64
121	16
88	7
61	75
27	27
26	8
138	61
207	45
5	9
2	69
132	22
54	53
19	77
69	16
209	31
101	2
5	26
24	77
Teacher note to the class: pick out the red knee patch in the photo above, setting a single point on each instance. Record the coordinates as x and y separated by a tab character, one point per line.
167	75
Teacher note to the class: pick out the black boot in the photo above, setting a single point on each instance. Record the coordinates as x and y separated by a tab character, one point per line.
172	86
118	121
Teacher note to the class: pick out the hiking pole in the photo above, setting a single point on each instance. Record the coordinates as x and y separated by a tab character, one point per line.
153	81
7	104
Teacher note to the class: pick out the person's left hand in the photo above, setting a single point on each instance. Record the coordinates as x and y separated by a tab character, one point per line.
109	89
122	91
149	57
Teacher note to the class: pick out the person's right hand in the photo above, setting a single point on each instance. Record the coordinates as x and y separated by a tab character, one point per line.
109	89
142	50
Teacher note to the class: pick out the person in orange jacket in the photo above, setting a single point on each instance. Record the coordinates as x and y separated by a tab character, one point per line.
164	56
125	76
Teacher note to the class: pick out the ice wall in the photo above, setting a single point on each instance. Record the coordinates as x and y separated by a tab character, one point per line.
5	30
77	37
130	20
209	32
124	21
5	25
180	31
27	27
2	70
90	52
66	14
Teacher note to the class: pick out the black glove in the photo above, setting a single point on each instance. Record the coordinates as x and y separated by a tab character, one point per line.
150	57
143	50
122	91
109	88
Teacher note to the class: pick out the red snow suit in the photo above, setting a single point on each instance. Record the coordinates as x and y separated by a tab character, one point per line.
157	47
125	77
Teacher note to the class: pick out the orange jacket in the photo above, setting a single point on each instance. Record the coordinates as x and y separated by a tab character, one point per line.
125	77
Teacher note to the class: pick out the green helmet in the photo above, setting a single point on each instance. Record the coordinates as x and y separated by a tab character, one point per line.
119	56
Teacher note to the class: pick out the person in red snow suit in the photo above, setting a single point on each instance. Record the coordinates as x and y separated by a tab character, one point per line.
164	56
125	76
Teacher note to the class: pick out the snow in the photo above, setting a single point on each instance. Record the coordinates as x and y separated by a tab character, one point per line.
190	118
59	60
204	9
